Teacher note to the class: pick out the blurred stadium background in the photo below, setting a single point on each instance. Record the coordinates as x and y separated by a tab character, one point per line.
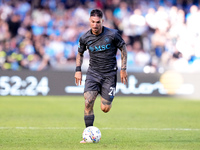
39	38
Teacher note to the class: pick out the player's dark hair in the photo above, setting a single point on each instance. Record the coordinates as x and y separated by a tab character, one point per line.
96	12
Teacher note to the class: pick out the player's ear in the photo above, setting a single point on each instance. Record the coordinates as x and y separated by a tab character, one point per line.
102	20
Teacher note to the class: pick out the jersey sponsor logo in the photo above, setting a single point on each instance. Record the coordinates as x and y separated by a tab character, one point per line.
99	48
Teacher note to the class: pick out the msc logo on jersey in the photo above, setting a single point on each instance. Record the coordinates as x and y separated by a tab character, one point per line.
99	48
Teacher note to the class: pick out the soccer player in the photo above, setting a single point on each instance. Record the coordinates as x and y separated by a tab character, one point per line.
101	77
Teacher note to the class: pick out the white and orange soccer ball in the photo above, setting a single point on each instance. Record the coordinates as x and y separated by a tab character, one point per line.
91	134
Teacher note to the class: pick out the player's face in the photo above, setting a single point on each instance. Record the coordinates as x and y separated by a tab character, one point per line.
96	24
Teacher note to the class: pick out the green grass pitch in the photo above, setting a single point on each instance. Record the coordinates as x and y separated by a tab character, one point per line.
134	123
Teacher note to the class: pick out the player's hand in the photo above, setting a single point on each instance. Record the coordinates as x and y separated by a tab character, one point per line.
78	77
124	76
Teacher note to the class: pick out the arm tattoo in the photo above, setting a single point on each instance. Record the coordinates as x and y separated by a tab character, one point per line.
123	57
79	59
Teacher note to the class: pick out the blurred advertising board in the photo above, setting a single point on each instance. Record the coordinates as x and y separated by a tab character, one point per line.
29	83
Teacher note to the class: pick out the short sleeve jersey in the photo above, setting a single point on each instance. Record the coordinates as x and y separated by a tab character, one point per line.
102	49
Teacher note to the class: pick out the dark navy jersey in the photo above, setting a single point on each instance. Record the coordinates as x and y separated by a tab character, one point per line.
102	49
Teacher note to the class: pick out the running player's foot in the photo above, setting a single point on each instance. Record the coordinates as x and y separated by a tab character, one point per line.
82	141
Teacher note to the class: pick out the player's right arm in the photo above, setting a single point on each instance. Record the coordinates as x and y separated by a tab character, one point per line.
78	73
79	61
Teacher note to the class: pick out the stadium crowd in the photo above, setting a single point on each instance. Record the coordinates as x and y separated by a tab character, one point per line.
41	35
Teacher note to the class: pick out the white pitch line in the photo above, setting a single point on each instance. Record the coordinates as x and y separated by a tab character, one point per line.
40	128
74	128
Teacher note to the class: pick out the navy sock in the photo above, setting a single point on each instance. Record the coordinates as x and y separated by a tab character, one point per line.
89	120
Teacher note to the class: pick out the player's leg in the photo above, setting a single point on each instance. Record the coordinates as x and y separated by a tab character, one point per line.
90	97
108	93
91	91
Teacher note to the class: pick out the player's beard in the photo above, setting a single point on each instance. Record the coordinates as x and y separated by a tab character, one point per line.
96	30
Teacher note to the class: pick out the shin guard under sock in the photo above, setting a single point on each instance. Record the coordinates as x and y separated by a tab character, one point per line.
89	120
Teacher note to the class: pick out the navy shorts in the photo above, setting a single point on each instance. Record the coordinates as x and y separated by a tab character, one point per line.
105	84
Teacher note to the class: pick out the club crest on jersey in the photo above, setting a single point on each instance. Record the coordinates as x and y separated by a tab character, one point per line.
106	39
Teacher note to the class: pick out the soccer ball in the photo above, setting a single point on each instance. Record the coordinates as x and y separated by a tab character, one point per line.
91	134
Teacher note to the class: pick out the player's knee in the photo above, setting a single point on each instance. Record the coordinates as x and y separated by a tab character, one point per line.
105	108
105	105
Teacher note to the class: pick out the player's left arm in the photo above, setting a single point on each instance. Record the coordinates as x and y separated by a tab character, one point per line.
123	73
